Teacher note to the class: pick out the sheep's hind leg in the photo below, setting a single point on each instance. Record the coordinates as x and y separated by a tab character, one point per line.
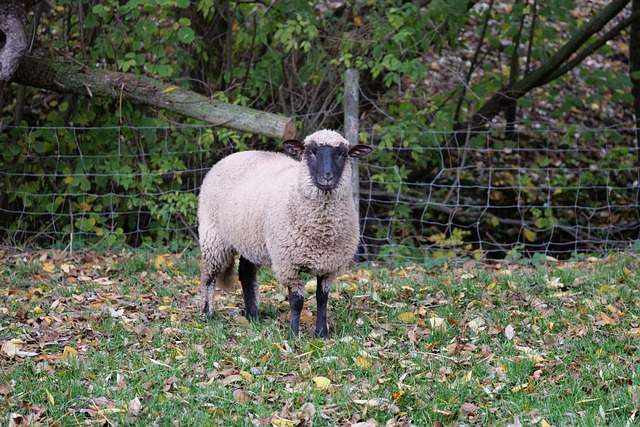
250	290
322	297
208	287
296	302
215	259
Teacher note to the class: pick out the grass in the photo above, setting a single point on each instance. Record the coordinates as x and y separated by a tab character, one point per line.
118	339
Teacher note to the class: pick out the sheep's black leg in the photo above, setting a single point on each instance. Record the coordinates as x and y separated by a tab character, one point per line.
296	302
322	297
247	274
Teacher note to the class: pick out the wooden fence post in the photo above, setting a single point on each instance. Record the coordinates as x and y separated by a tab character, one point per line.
351	113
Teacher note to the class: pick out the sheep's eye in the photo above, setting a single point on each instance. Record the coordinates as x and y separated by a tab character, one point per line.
312	152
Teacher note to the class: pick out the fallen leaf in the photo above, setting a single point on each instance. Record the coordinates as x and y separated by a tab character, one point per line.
407	317
509	332
9	348
322	383
282	422
69	352
363	362
469	407
242	396
369	423
307	412
553	283
159	260
231	379
133	407
477	325
606	319
438	324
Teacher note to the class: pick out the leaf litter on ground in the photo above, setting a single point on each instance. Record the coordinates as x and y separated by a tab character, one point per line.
117	338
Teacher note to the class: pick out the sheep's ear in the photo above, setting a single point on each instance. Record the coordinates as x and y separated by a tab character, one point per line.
360	150
294	146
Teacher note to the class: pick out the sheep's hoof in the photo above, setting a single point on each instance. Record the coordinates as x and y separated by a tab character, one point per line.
322	333
208	314
253	317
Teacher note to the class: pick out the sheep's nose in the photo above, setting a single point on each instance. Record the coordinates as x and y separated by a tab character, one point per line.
328	176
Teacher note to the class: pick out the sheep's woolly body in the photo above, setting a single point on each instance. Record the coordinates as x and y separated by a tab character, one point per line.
265	207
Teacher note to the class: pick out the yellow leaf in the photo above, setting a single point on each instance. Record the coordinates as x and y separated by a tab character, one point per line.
529	235
358	21
467	377
169	89
492	285
159	260
544	423
247	376
282	422
397	395
176	350
69	352
519	387
281	348
407	317
363	362
68	180
50	397
164	307
322	383
48	267
37	310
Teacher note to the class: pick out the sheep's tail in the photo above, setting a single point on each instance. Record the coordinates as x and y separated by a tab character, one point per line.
227	279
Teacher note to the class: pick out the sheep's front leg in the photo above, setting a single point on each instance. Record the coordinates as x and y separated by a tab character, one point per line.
250	291
296	302
322	297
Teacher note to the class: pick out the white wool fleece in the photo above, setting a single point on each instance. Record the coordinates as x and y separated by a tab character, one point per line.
265	207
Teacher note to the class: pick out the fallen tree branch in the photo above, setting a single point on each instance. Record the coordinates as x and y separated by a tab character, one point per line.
77	79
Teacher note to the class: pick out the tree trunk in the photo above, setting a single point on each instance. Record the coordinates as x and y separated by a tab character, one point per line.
13	39
79	80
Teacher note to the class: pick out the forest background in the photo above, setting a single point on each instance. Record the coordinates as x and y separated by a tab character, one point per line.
533	83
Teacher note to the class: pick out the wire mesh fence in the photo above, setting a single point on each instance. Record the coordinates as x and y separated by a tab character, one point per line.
424	195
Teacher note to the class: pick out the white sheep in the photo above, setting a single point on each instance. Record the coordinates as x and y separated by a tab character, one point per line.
272	210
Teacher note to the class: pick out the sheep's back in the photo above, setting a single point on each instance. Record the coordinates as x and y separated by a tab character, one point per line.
237	193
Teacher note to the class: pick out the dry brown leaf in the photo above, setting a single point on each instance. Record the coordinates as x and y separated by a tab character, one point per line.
241	396
469	407
369	423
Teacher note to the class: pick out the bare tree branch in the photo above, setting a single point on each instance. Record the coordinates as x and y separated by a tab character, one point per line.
540	75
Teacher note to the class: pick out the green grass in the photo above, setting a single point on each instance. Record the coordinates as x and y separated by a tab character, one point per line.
118	339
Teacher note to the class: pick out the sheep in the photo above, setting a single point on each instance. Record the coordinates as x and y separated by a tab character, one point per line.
272	210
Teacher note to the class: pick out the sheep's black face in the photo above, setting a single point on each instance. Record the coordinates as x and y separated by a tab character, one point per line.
326	164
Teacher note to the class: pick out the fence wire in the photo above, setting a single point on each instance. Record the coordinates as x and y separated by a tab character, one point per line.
424	195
